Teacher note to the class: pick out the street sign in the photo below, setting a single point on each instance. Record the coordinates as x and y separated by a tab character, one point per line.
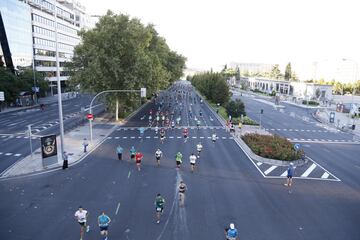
143	92
297	146
90	116
2	96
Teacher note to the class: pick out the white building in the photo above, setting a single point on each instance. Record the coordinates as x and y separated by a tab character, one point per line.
300	90
55	26
252	68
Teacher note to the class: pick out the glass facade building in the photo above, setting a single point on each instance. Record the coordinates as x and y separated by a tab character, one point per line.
15	34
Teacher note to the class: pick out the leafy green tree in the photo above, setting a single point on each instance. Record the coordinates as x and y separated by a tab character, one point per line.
122	53
235	108
275	72
213	86
294	77
288	72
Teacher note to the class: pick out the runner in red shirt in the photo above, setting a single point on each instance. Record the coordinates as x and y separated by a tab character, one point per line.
138	158
186	133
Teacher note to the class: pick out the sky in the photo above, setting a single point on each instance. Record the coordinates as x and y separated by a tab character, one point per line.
211	33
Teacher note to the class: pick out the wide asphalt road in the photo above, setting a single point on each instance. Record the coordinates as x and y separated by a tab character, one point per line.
226	187
14	138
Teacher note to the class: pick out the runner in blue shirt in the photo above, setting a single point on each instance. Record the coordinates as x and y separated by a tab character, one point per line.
132	153
119	151
232	233
104	221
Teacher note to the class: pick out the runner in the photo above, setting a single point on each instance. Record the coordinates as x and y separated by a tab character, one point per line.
119	151
132	153
231	233
173	124
162	135
138	158
185	132
192	161
156	130
81	216
198	124
213	137
158	155
182	190
150	118
142	131
103	222
199	148
200	113
290	173
159	206
178	121
178	159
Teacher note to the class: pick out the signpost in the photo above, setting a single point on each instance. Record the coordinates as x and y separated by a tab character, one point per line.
2	98
297	146
332	117
90	116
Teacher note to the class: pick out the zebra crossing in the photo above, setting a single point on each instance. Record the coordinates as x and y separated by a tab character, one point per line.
167	137
179	127
310	170
302	130
44	126
13	136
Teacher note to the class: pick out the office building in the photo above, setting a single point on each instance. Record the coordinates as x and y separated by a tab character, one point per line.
15	34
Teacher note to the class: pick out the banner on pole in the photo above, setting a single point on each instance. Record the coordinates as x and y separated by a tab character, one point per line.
48	146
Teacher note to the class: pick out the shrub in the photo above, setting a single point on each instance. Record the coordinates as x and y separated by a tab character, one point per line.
274	147
311	102
249	121
235	108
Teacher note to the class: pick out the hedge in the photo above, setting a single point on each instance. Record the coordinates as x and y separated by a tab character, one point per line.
274	147
311	102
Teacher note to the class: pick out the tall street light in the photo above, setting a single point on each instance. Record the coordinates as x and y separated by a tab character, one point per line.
355	76
59	90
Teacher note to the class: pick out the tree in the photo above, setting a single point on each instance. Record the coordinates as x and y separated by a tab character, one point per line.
237	76
235	108
294	77
213	86
122	53
288	72
275	72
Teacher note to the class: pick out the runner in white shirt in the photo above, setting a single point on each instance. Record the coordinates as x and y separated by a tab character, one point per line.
213	137
199	148
192	161
158	155
81	216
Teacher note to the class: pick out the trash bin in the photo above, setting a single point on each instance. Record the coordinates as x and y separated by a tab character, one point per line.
353	127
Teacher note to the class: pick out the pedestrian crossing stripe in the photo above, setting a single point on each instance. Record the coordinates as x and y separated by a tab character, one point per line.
302	130
269	171
180	127
170	137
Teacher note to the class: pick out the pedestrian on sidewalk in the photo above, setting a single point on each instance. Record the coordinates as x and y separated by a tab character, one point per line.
119	151
290	173
81	216
103	222
85	144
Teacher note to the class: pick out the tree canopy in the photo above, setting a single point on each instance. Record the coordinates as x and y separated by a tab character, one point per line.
122	53
288	72
213	86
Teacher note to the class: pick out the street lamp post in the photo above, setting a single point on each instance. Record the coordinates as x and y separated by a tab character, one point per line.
353	92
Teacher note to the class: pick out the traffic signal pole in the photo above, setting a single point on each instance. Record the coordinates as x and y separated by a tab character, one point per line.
142	94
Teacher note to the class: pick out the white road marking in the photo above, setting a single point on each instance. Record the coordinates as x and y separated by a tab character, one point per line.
270	169
1	153
109	137
117	137
171	137
147	136
284	174
201	137
309	170
259	163
117	209
8	154
178	137
124	137
132	137
325	175
17	155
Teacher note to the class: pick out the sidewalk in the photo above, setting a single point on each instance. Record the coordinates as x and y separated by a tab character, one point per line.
45	100
341	121
73	146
